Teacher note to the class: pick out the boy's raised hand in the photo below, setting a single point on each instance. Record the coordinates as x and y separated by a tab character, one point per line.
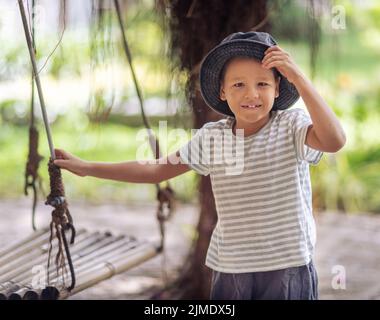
276	57
66	160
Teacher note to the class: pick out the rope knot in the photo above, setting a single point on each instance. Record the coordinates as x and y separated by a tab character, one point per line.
55	201
165	198
61	220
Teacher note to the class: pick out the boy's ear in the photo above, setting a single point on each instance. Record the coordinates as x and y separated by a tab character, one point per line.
222	94
277	87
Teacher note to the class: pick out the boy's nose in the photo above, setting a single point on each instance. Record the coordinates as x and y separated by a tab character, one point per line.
251	93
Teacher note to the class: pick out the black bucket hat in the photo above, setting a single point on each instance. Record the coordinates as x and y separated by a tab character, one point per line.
245	44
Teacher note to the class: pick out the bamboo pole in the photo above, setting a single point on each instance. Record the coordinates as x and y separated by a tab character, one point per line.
26	257
19	294
77	254
87	263
14	296
27	254
109	269
107	253
94	261
5	285
98	246
50	293
91	273
83	242
24	248
94	246
17	244
9	289
32	294
22	268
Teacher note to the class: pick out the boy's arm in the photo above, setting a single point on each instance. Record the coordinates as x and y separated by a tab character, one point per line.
325	134
129	171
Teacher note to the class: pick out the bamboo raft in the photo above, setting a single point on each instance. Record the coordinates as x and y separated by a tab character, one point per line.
96	257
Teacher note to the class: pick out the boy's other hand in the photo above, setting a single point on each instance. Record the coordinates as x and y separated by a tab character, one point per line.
66	160
276	57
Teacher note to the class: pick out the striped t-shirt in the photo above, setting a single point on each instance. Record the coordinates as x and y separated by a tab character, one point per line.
262	191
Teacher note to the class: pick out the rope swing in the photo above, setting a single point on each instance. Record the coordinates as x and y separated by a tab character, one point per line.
61	218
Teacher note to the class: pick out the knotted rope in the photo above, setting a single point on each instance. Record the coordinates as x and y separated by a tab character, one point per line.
31	170
61	222
165	197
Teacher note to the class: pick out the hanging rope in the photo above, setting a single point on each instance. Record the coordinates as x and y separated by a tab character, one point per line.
31	171
165	196
32	164
61	218
165	199
61	221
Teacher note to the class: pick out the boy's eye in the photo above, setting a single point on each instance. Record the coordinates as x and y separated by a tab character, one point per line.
263	84
239	84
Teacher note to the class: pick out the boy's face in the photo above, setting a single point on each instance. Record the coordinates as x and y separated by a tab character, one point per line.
249	90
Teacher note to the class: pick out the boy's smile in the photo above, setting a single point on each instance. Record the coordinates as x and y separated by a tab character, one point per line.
249	90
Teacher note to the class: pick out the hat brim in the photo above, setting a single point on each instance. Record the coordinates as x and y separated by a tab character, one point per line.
212	66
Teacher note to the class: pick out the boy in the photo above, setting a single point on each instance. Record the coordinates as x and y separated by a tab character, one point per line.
263	243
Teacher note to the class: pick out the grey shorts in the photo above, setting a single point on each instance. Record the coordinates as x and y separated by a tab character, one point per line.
296	283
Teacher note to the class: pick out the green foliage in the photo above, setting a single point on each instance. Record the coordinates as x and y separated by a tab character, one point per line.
289	20
347	76
348	181
75	134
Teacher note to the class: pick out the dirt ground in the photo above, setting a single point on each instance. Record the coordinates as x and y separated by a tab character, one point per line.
347	253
